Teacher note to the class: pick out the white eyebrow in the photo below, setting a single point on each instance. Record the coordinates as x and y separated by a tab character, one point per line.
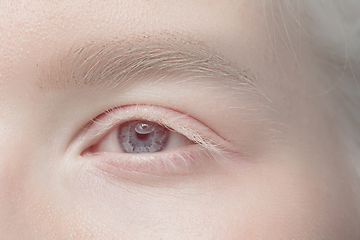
116	63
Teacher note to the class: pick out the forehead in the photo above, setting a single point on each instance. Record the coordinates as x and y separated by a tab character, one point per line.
117	17
35	29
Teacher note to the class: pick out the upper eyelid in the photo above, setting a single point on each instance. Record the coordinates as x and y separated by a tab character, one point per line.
168	118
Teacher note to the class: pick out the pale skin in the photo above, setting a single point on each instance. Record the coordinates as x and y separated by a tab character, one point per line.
281	174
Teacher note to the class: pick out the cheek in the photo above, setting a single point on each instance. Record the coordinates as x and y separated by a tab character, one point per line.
264	201
293	201
52	218
34	204
36	207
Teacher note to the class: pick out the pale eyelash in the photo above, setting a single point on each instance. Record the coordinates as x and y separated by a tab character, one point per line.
171	123
196	157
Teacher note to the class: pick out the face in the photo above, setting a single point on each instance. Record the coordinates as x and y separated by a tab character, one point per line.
167	120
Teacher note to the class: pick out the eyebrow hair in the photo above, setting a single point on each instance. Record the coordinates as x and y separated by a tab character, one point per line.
151	58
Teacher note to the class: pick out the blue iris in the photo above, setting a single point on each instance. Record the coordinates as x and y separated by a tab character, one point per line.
142	136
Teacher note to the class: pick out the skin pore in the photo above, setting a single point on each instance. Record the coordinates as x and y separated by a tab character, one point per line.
240	80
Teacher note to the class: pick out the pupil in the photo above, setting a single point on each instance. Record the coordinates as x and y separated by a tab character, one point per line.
142	136
144	128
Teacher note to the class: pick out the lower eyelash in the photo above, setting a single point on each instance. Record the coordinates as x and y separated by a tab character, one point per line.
207	148
169	119
184	161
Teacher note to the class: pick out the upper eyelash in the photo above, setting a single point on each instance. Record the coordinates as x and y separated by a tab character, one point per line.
156	114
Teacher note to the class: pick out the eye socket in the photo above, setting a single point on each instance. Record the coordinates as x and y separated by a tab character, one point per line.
151	140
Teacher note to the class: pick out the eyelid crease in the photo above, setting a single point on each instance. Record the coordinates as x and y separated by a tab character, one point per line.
170	119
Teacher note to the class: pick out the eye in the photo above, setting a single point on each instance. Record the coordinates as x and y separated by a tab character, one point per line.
140	137
150	140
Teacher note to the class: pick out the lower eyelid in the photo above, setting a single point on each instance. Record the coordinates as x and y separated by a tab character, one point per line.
178	122
184	161
202	153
